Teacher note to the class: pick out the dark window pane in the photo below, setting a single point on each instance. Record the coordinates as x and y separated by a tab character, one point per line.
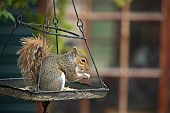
143	94
144	44
146	5
109	104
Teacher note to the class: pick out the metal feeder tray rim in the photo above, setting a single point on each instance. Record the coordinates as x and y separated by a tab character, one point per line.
92	93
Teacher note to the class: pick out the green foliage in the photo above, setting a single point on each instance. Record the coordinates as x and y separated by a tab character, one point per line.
18	4
5	5
5	15
30	16
121	3
61	43
61	7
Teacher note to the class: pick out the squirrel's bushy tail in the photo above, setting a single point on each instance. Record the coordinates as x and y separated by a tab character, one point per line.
30	54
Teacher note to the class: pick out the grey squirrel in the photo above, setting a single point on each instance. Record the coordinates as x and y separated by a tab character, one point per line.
56	69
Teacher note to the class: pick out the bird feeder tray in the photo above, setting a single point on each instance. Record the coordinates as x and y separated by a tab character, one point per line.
15	87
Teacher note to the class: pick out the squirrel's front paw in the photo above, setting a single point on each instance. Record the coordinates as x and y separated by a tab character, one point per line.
86	76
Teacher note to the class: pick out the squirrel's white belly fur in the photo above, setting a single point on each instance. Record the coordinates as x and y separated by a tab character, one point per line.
62	79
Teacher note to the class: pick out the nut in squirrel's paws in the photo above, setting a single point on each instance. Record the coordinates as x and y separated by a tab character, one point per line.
86	76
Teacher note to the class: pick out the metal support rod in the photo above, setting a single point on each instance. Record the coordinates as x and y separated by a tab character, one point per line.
55	22
101	82
56	41
81	28
45	29
45	106
17	24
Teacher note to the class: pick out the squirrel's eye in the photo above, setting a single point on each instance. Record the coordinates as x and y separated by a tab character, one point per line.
83	60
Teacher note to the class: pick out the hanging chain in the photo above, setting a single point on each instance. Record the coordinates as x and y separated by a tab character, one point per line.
79	21
101	82
17	24
55	22
80	26
45	30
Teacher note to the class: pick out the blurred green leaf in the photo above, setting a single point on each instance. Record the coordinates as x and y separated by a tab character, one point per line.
4	15
5	5
38	17
121	3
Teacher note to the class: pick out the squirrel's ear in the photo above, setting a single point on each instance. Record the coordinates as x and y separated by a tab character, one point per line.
75	50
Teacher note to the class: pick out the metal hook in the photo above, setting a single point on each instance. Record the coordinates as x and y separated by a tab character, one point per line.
18	21
46	26
55	22
79	23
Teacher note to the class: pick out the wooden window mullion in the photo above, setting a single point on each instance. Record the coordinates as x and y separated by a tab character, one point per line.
164	58
124	59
